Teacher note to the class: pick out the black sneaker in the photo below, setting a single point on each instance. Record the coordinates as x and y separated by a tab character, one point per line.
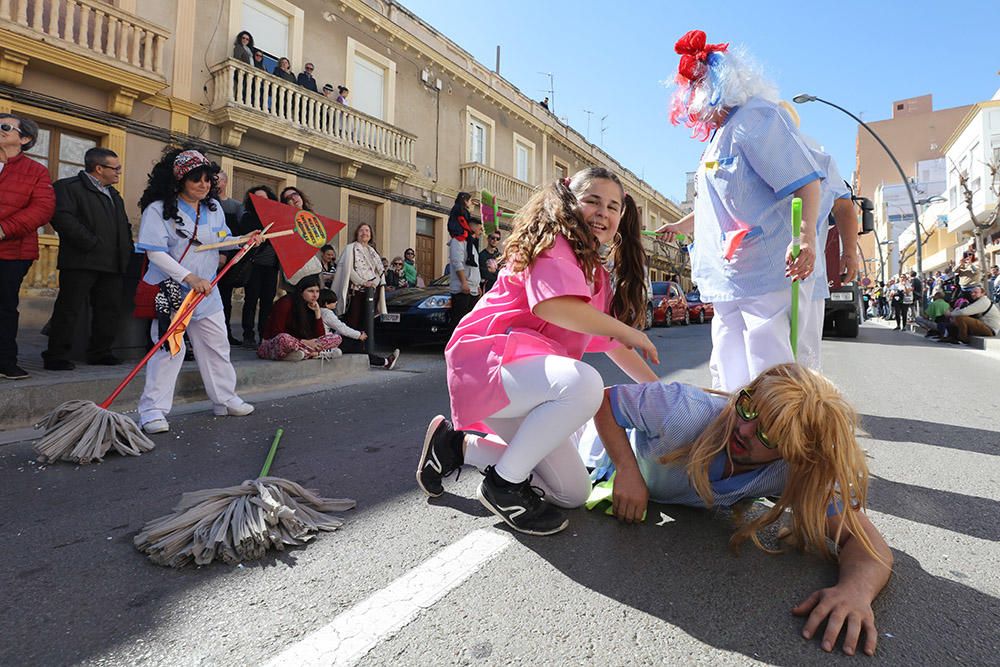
13	372
520	505
58	365
441	456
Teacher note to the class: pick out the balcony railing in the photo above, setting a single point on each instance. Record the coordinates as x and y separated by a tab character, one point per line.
252	88
476	177
94	26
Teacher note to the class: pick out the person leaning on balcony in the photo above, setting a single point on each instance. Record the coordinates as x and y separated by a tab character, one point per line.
342	93
359	268
979	318
262	283
26	203
95	244
243	49
284	70
328	90
306	78
258	59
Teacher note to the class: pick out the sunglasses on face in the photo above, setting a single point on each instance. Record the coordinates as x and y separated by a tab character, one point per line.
7	127
494	238
746	411
114	169
397	263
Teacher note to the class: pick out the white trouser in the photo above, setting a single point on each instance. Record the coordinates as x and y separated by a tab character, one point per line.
210	341
551	397
752	334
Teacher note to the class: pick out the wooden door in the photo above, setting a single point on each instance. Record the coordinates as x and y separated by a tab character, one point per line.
244	180
426	259
360	211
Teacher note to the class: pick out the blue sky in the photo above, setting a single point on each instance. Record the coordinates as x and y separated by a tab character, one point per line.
611	57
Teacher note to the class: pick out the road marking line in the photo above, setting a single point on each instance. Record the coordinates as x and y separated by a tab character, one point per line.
349	636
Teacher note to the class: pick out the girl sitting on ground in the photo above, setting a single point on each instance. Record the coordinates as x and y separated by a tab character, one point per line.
295	330
353	339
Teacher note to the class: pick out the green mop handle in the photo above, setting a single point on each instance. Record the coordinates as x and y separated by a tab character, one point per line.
796	240
681	238
270	455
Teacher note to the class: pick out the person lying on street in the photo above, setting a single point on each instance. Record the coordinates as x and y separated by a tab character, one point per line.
788	434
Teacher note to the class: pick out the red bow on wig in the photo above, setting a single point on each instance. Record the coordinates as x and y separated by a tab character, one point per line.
694	52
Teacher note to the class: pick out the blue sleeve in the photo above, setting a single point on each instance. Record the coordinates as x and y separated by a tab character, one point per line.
153	234
777	152
667	416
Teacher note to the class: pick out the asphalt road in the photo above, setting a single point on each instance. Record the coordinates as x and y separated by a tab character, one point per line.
75	591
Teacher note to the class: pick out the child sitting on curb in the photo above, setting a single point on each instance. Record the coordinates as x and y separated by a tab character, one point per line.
353	340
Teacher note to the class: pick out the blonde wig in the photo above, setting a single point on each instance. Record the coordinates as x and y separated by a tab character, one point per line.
554	210
813	427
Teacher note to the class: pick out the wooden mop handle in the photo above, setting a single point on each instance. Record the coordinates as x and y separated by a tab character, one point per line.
237	240
177	322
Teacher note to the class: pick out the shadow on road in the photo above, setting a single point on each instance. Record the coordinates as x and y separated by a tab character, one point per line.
682	573
970	515
901	429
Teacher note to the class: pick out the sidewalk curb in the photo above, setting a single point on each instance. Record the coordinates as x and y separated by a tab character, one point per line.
25	402
988	346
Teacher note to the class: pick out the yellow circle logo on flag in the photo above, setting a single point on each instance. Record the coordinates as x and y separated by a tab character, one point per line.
310	229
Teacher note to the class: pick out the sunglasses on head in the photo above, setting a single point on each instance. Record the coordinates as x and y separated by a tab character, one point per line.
746	411
7	127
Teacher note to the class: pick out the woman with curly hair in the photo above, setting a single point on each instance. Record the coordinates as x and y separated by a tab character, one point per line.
788	434
180	211
514	362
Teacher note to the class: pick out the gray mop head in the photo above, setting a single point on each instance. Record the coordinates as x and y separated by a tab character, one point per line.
238	523
82	431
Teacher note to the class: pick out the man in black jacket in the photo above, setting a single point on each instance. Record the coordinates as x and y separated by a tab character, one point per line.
95	243
306	78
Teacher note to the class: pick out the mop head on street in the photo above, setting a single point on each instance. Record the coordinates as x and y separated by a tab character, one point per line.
712	78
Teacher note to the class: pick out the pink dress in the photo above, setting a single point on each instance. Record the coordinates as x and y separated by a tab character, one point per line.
501	329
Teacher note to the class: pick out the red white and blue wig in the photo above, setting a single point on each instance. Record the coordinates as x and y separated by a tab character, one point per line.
712	78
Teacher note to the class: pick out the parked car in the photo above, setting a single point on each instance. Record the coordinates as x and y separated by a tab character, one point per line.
667	304
698	310
417	315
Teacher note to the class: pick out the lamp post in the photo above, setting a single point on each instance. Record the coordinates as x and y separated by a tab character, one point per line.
803	98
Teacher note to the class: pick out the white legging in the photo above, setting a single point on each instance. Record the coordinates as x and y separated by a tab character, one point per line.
551	397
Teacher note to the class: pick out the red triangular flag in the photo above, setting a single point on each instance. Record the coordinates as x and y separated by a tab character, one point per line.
312	232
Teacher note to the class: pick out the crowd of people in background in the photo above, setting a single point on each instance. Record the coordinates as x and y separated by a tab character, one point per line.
951	305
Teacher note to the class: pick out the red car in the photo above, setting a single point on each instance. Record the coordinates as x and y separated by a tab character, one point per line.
667	305
698	311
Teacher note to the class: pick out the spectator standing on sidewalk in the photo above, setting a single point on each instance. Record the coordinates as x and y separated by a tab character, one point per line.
394	276
306	78
464	279
262	283
489	261
359	268
410	267
979	318
901	297
95	244
968	272
994	284
917	286
26	203
233	210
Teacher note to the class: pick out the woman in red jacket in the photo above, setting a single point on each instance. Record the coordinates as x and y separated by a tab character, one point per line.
295	330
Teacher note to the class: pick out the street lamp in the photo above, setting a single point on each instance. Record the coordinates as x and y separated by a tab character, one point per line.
803	98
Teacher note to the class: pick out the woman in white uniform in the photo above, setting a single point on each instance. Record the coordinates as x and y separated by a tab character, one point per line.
180	211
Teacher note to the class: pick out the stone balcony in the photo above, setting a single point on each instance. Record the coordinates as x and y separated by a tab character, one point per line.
511	193
247	98
83	39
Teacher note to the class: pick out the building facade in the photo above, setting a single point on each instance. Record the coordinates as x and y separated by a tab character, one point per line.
423	120
916	134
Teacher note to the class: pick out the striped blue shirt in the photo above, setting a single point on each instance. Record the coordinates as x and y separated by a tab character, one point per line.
746	178
666	417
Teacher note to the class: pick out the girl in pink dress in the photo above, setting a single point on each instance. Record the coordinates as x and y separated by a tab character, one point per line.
514	362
